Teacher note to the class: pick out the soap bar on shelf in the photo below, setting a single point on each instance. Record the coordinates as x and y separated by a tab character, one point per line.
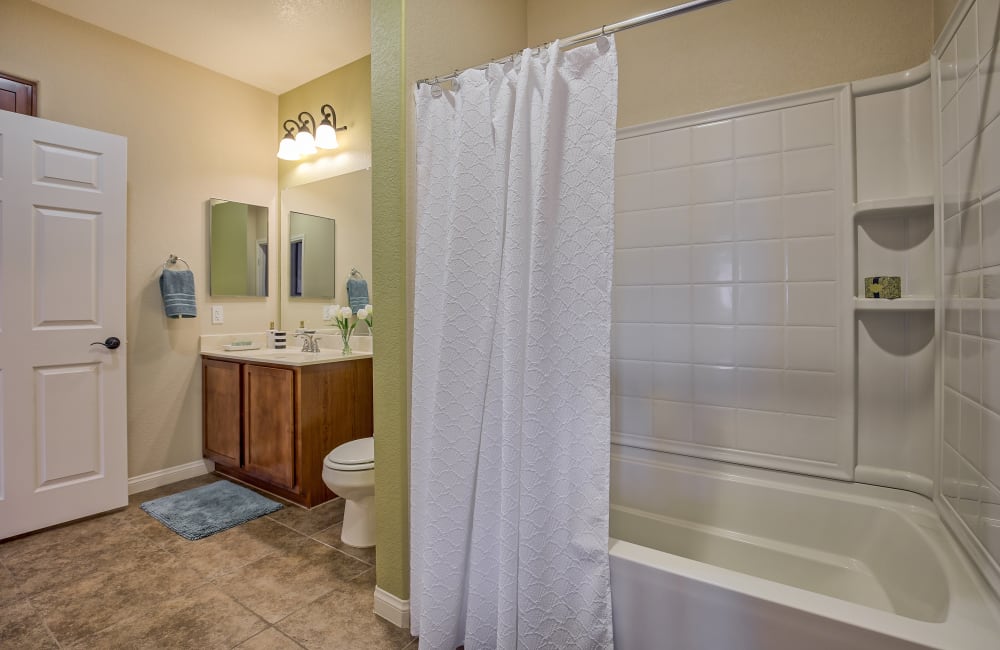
240	345
883	286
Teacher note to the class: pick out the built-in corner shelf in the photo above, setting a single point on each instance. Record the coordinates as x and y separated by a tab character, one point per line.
906	303
898	207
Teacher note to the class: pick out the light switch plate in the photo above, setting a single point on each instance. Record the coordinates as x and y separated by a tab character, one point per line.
217	315
328	312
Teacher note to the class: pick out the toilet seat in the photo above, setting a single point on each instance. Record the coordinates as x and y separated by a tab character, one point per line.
352	456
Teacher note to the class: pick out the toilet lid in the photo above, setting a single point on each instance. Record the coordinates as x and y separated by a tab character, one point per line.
353	454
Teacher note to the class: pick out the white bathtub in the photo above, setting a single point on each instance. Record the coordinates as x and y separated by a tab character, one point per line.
717	557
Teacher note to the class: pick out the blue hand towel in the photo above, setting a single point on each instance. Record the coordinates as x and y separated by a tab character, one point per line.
177	289
357	293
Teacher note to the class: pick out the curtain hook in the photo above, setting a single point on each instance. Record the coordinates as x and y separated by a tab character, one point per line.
602	30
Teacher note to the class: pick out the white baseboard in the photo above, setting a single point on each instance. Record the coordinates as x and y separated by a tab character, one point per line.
393	609
169	475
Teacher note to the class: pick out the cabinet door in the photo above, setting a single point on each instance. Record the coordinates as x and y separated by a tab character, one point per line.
221	411
269	424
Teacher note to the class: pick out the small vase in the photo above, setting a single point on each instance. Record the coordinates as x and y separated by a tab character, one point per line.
346	336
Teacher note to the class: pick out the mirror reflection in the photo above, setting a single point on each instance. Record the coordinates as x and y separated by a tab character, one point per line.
341	206
238	249
312	246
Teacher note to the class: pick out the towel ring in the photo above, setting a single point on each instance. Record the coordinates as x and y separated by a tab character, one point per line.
173	259
356	274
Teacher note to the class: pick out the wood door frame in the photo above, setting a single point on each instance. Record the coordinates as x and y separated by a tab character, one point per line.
30	87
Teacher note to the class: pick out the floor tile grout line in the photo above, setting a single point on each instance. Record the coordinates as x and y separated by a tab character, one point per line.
281	523
272	627
353	557
283	618
51	633
180	594
236	600
127	618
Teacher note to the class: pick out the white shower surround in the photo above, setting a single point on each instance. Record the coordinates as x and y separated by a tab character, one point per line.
967	108
701	550
733	301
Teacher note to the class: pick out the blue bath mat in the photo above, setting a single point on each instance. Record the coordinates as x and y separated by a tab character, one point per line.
210	509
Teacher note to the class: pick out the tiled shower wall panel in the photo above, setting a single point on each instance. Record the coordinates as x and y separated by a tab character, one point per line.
970	144
726	336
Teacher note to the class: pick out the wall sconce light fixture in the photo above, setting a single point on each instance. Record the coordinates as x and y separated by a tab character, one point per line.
299	140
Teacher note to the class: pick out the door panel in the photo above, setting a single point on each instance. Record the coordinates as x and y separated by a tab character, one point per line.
60	166
68	435
62	287
269	424
66	273
222	411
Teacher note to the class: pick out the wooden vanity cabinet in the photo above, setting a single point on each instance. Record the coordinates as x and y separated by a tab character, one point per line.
271	426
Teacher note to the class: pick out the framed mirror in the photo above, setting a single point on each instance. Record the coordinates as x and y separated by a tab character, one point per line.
327	223
239	250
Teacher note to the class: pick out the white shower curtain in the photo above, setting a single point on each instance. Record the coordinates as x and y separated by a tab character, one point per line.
510	428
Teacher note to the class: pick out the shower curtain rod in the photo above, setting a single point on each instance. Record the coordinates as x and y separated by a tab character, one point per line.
604	30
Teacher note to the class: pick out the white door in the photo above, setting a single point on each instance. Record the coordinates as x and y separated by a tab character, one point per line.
62	287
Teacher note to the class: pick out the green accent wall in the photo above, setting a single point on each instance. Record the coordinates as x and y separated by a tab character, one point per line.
389	275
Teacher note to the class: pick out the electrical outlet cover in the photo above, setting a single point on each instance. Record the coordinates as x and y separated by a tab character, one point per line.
328	312
217	314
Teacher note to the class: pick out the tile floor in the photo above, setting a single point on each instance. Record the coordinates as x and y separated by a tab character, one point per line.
124	580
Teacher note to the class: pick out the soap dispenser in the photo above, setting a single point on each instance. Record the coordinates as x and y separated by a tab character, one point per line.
276	339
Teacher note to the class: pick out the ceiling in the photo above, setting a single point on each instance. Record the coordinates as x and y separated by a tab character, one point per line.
275	45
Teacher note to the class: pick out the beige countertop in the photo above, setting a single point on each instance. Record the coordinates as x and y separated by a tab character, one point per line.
212	346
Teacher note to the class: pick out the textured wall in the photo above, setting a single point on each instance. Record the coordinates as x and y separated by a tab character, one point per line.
440	35
192	135
389	275
742	50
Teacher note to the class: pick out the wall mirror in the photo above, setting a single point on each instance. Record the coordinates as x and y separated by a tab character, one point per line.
325	231
312	254
238	249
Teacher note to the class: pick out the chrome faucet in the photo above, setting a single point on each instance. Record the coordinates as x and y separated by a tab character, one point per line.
309	343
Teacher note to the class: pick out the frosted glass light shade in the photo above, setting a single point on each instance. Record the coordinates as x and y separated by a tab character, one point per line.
306	144
288	150
326	137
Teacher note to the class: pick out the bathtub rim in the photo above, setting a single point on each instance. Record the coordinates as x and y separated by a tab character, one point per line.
965	583
937	635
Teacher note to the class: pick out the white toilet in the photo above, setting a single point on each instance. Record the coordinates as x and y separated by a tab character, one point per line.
349	472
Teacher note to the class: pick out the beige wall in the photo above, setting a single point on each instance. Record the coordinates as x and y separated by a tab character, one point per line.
942	11
192	135
742	50
348	200
348	89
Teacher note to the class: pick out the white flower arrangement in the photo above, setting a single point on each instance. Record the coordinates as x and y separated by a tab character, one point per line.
343	316
365	314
